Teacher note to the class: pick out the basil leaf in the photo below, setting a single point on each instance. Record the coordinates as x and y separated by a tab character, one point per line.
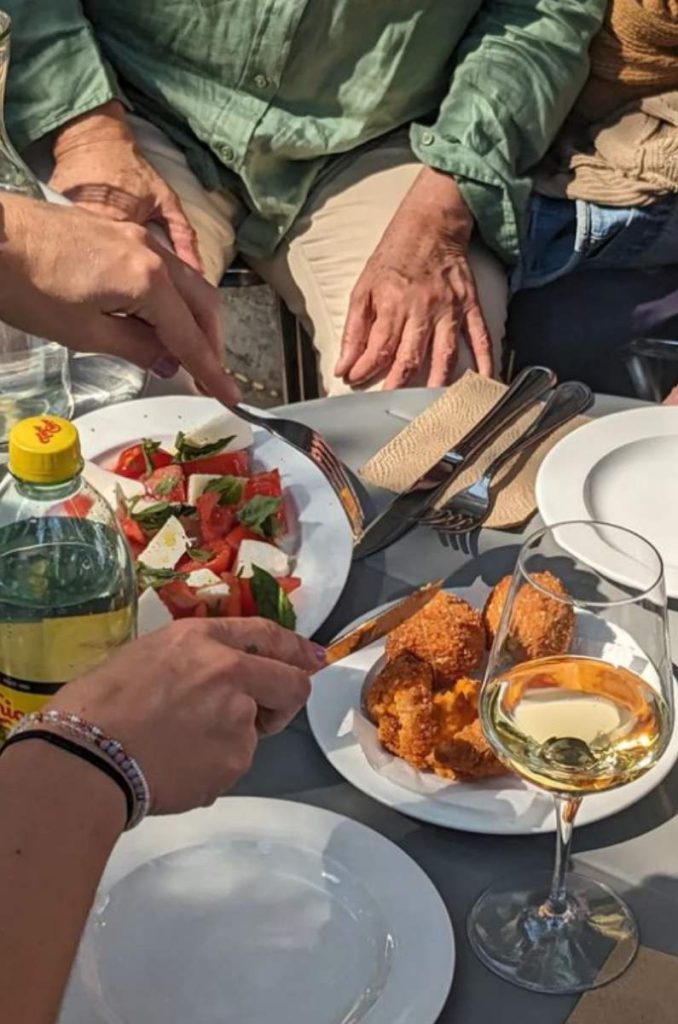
271	600
229	488
156	578
148	450
154	516
186	451
200	554
258	514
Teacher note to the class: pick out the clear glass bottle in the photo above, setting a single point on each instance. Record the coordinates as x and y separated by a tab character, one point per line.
68	592
34	373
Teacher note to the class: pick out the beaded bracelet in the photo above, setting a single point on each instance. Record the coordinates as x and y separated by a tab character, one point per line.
112	750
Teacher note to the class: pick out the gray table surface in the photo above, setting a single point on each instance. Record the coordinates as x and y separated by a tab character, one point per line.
636	851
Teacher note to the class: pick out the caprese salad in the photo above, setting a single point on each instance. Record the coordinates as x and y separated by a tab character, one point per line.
204	526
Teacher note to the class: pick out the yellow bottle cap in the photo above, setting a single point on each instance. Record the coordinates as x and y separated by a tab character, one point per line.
44	450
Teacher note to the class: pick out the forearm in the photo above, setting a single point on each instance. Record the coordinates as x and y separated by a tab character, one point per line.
517	75
60	820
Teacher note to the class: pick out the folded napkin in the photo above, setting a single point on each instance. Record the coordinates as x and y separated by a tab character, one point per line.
446	421
647	993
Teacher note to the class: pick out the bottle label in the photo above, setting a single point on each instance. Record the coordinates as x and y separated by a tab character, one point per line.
36	658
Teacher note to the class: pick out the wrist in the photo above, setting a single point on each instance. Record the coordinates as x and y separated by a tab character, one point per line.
440	202
106	123
85	800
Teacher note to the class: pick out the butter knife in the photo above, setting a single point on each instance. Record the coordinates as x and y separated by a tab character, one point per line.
399	517
367	632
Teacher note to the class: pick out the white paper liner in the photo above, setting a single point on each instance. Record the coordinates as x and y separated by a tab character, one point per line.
517	798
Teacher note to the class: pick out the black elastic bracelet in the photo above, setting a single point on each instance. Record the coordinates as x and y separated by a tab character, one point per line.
83	752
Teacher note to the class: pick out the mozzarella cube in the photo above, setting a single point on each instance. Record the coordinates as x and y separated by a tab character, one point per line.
265	556
105	482
224	424
167	547
202	578
208	585
153	614
197	484
214	593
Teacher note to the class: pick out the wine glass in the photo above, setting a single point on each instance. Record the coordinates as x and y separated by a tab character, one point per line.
577	699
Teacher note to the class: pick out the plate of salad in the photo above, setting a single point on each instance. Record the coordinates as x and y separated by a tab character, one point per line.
222	518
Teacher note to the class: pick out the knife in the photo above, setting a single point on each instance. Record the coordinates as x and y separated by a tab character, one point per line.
366	633
399	517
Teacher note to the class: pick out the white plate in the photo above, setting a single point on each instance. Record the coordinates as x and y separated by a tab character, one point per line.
504	806
255	911
321	538
619	469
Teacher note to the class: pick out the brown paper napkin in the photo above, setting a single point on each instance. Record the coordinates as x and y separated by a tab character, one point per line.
645	994
438	428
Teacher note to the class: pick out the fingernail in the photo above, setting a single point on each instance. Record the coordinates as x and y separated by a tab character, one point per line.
165	367
320	653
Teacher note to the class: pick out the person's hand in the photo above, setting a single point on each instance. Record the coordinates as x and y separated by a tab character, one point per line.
417	294
65	274
189	702
97	165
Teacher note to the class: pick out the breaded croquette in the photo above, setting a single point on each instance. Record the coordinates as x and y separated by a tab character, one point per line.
540	626
447	633
400	701
466	755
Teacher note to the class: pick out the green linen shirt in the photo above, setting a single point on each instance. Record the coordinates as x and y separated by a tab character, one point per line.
261	94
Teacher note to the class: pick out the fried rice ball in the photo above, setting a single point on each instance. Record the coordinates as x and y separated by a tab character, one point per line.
466	755
447	633
400	702
541	626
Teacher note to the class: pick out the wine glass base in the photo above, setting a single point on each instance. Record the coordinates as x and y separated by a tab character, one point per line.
592	943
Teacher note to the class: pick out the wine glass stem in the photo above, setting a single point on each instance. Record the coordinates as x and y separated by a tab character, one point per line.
566	812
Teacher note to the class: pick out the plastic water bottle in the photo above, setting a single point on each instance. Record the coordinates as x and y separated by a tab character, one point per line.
68	593
34	373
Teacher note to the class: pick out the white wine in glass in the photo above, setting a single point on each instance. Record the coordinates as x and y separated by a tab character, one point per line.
577	699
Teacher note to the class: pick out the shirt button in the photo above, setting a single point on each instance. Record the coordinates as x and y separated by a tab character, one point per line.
227	153
261	81
427	138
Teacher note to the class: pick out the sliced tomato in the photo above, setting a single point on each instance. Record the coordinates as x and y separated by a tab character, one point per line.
215	520
180	600
132	462
269	485
231	607
167	484
289	583
221	562
133	531
249	605
240	533
227	464
78	507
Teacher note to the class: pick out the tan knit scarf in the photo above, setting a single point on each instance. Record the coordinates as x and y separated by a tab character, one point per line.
638	43
635	54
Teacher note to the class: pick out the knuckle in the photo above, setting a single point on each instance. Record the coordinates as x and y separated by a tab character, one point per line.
134	232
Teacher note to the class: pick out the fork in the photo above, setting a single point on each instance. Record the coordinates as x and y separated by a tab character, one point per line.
469	509
311	444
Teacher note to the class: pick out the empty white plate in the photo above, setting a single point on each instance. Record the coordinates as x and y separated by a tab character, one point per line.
260	910
620	469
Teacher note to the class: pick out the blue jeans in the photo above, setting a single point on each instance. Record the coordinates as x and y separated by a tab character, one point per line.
565	236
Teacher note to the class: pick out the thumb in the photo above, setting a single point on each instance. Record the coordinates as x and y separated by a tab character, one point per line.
180	230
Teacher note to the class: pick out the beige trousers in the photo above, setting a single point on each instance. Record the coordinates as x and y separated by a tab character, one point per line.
316	267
